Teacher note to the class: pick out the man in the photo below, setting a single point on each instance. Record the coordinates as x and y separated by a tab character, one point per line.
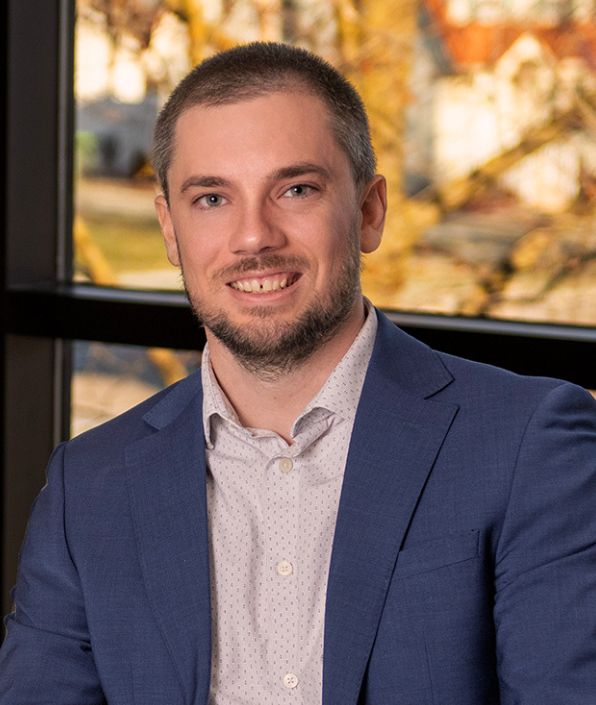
331	512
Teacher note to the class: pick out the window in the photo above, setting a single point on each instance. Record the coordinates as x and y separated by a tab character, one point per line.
108	379
480	113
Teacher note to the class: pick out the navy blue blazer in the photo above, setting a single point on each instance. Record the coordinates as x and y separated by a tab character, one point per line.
463	569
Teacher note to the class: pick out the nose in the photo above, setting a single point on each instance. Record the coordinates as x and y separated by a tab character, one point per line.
256	231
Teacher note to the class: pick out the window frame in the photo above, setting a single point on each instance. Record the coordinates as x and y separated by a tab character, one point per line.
43	311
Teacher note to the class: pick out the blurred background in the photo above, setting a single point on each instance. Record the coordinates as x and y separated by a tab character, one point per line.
483	115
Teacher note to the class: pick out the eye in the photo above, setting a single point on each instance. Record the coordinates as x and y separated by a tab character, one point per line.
210	200
299	191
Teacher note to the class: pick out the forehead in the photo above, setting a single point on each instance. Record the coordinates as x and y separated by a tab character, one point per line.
266	131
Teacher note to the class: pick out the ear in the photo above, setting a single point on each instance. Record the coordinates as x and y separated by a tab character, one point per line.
373	206
167	229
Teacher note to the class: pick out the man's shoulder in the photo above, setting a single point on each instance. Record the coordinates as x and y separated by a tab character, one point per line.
472	373
464	381
107	441
504	396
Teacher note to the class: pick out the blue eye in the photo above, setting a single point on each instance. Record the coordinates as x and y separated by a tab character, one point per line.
299	191
211	200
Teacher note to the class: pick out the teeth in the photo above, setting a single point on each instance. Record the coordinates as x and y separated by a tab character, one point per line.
253	286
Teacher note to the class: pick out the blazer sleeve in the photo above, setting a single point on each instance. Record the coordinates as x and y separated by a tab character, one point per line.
545	565
46	656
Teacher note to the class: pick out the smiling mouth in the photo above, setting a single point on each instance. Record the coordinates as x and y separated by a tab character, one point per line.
265	285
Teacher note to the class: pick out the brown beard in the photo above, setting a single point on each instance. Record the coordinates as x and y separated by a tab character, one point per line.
270	351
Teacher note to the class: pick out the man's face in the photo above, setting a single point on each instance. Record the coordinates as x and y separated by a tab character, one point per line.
267	224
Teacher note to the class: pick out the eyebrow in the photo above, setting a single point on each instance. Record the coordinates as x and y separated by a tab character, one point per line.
203	182
299	169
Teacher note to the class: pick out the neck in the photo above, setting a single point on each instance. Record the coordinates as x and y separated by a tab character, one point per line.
273	401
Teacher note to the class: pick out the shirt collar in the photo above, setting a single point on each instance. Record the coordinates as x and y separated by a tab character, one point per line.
341	392
339	395
215	402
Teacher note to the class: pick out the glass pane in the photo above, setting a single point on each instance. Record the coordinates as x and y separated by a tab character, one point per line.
481	113
109	379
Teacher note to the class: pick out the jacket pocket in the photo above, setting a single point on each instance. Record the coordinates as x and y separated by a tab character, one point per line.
430	555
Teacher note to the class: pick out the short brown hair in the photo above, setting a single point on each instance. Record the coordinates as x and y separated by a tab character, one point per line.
259	68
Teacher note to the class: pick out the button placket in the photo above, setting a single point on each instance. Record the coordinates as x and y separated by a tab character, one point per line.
281	513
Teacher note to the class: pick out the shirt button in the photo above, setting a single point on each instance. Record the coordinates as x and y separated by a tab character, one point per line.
290	680
285	568
286	465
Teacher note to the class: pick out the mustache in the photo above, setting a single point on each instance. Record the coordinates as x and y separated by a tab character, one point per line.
261	264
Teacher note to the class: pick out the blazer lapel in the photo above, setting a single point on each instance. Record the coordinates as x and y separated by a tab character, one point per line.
397	434
166	479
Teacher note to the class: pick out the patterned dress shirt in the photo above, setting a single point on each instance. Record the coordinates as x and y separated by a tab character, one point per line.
272	509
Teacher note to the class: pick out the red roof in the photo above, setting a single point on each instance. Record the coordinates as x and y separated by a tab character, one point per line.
477	43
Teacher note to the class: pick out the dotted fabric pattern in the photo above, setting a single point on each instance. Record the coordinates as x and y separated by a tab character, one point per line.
272	508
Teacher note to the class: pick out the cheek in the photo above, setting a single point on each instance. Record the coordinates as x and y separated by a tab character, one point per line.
204	243
343	242
193	268
198	253
328	237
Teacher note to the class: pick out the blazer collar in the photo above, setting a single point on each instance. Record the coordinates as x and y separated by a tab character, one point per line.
397	434
175	400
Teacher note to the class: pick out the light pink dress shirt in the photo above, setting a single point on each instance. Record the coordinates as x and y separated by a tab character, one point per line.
272	509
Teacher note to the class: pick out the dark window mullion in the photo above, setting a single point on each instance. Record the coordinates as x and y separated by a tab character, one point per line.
36	245
164	319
